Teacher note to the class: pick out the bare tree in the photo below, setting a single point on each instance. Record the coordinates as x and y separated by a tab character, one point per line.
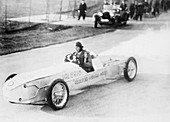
0	10
61	4
0	6
30	7
47	10
74	8
6	12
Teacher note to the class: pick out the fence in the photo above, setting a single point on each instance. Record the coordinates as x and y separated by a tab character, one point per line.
29	8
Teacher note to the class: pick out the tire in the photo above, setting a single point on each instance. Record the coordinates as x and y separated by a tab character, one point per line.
95	24
57	103
9	77
117	21
116	25
130	69
124	23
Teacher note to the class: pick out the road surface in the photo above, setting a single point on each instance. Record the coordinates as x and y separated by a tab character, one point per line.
145	99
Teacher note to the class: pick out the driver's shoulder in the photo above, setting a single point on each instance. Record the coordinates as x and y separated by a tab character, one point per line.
86	52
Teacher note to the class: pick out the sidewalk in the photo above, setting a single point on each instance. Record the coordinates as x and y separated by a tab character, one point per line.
88	22
54	19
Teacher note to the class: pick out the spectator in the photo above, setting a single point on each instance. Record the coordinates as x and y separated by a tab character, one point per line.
165	5
135	12
123	13
139	11
123	6
82	10
146	6
155	7
132	9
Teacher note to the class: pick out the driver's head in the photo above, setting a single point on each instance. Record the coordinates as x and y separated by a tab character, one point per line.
79	47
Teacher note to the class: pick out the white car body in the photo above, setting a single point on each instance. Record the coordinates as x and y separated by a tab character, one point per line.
31	87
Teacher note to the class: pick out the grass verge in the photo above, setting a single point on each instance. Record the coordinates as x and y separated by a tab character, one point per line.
43	35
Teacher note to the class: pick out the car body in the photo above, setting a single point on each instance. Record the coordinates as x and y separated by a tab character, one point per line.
111	15
54	84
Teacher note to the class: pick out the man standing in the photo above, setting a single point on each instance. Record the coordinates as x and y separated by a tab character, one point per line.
123	13
132	9
139	11
146	6
165	5
155	7
123	6
82	10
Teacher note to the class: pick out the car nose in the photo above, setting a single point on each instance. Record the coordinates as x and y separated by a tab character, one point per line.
20	94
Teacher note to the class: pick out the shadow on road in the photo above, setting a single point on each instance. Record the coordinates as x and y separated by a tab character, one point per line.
85	101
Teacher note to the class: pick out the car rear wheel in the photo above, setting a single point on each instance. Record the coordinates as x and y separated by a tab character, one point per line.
58	94
130	70
9	77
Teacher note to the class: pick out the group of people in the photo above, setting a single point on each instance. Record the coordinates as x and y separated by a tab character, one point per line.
136	10
139	7
151	8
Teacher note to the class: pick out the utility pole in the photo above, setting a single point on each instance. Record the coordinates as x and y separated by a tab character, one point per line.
47	11
74	8
6	11
69	7
0	7
30	12
61	4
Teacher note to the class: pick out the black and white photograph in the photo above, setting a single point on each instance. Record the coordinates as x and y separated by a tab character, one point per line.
85	60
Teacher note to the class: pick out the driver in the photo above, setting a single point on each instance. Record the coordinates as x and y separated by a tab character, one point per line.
82	58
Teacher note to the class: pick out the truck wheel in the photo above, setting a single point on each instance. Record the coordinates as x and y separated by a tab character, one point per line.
95	24
9	77
116	24
130	69
58	94
124	23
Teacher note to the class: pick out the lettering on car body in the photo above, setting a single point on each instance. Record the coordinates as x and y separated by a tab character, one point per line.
72	74
93	76
78	81
87	78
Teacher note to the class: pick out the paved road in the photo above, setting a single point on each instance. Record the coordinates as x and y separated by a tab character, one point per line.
145	99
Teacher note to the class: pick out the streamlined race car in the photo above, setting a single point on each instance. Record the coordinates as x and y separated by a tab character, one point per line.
54	85
111	15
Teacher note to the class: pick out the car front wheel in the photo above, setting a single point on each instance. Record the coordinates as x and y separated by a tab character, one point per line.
58	94
130	69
